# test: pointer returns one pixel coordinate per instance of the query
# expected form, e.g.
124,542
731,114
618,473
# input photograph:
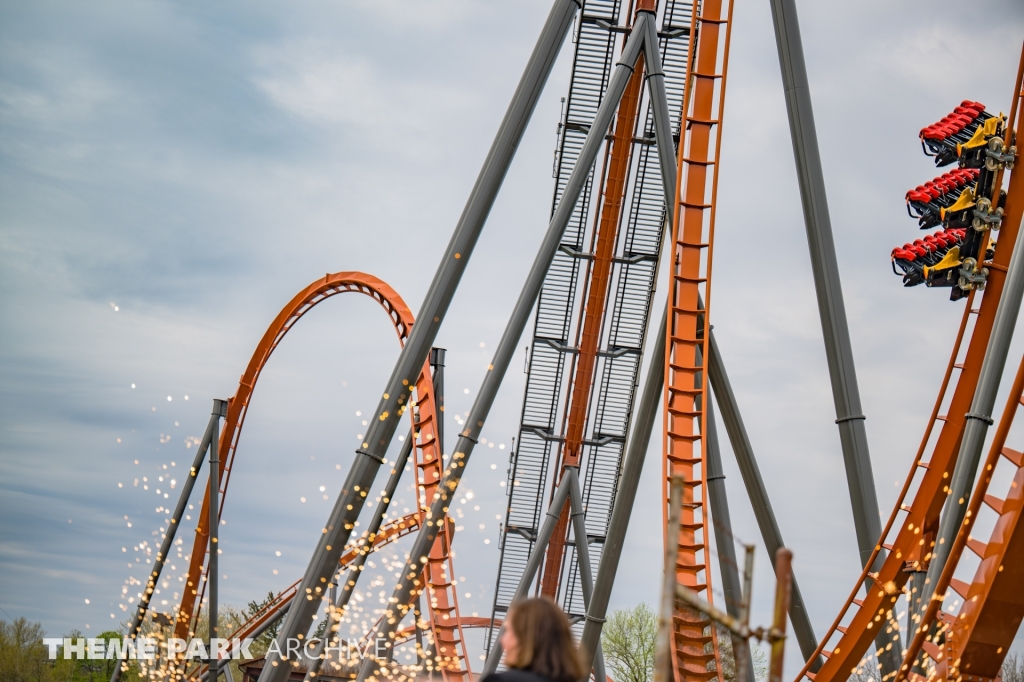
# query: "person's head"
537,638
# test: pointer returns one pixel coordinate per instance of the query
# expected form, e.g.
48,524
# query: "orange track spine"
686,344
599,274
301,303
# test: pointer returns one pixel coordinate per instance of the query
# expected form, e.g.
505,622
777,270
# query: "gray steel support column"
759,501
547,529
842,372
417,614
828,288
732,588
168,542
513,331
915,607
632,466
348,586
220,408
979,418
582,544
662,118
437,363
395,395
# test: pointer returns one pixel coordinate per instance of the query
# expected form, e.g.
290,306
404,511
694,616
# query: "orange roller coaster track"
916,523
977,637
686,344
444,623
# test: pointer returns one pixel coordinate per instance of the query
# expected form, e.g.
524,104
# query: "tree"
1013,668
262,642
728,658
628,641
23,658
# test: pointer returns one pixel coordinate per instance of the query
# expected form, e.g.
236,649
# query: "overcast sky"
172,173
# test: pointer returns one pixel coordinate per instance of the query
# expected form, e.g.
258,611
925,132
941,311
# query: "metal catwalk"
555,344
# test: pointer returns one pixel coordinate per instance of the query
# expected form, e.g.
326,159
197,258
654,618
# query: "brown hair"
546,645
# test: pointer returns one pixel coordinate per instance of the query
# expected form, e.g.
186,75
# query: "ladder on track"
449,645
695,653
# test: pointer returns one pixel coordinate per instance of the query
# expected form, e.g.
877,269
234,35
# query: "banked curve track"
910,532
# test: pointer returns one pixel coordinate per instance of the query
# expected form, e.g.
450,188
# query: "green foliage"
321,629
628,640
760,662
229,619
24,657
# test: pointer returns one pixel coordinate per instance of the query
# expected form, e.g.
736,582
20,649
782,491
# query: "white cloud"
309,80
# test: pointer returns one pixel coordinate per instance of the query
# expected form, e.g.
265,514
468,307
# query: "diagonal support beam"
831,307
403,595
579,533
662,118
732,589
625,495
828,288
351,578
567,490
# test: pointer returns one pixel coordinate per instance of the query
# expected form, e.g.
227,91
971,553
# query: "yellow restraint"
950,260
965,201
984,131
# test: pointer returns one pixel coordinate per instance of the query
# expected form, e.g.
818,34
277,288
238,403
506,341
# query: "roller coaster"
647,95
